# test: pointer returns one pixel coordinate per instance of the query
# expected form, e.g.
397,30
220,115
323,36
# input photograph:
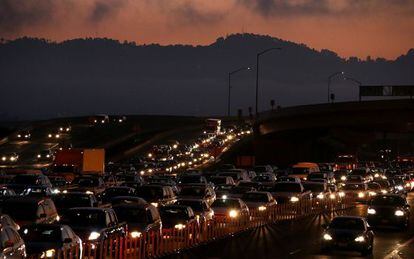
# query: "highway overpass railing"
156,244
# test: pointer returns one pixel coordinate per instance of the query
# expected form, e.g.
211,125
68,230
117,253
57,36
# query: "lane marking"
394,253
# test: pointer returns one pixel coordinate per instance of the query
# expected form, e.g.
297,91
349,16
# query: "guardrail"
168,241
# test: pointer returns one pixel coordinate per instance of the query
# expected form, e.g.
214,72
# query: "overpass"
319,132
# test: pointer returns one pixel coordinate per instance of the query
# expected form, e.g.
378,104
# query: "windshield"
173,214
354,187
150,193
314,187
287,187
388,201
26,179
225,203
85,218
71,201
20,211
255,197
41,233
190,179
86,182
218,180
195,205
347,223
131,214
298,170
193,191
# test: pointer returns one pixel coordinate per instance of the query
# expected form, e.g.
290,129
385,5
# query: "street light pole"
358,83
329,82
257,75
229,94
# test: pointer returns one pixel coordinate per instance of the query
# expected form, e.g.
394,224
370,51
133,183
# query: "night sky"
380,28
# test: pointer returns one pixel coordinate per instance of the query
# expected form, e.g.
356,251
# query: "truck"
212,126
72,162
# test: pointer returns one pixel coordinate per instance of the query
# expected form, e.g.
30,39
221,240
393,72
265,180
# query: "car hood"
255,204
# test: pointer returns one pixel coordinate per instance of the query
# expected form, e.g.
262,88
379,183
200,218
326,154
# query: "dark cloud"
16,14
104,9
327,7
190,14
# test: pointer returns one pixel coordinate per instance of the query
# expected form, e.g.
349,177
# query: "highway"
301,239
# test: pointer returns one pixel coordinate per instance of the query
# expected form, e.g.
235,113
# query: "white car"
260,201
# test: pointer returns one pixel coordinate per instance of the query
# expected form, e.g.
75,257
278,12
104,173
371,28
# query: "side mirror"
67,240
8,244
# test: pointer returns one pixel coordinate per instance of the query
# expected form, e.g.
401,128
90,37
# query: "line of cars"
384,191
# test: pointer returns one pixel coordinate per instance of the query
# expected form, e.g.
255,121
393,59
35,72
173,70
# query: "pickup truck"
293,192
94,225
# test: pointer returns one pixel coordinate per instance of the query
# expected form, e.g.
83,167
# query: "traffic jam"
178,195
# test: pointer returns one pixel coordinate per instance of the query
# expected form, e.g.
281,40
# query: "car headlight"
343,178
341,194
407,184
4,158
384,191
49,135
39,156
294,199
327,237
135,234
361,195
360,239
155,204
233,213
399,213
12,158
332,196
88,192
372,193
19,136
320,196
224,197
48,254
179,226
371,211
149,155
262,208
400,188
376,175
94,235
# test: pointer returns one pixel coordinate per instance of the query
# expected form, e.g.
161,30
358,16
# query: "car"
23,135
239,190
255,185
157,195
58,181
112,192
177,217
54,135
265,178
21,182
341,175
348,233
68,200
385,186
230,209
6,220
223,191
260,201
200,207
263,169
50,240
389,209
12,245
140,218
9,158
356,191
127,200
88,183
217,180
319,191
37,191
236,174
65,129
6,193
45,156
199,192
26,210
288,179
192,179
94,225
364,172
289,192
